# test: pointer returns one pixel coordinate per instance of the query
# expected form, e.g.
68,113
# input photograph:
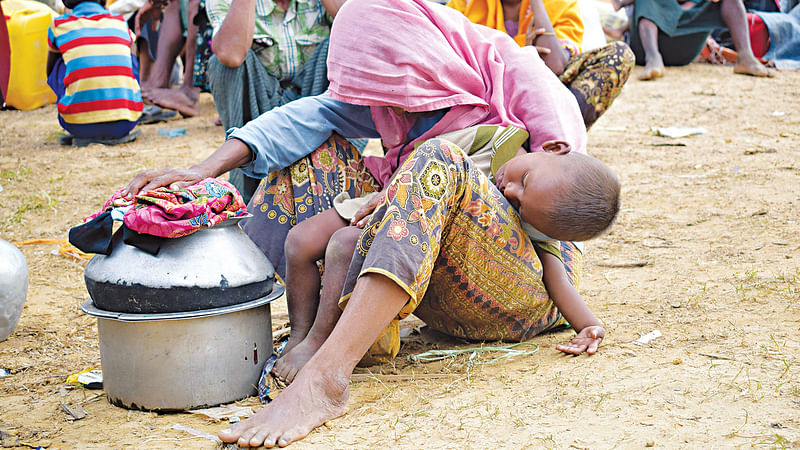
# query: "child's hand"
586,341
364,213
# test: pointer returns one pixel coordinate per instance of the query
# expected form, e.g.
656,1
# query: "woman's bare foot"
654,68
752,67
183,100
290,362
313,399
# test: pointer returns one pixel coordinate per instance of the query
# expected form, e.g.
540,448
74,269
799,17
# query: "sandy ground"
706,250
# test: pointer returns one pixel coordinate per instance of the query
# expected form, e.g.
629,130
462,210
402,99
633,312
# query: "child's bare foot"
752,67
295,337
290,362
654,68
314,398
182,100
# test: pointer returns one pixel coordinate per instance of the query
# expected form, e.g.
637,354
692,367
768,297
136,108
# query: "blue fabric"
86,9
286,134
784,38
283,135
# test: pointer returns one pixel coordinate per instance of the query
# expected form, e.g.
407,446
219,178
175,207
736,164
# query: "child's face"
533,181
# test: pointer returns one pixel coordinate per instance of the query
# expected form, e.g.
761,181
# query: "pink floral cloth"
174,213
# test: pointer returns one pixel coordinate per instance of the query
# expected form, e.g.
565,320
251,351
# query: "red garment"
759,35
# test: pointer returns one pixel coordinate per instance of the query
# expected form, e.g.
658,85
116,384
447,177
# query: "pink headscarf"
421,56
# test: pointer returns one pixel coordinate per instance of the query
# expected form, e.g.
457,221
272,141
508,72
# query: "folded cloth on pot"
162,212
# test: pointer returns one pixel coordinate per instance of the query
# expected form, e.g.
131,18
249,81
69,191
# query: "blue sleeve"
283,135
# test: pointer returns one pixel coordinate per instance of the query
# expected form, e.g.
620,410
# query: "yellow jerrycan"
27,23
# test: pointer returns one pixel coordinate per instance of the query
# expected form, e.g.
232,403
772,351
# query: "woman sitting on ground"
444,242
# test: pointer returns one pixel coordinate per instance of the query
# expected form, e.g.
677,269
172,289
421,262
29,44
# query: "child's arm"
571,305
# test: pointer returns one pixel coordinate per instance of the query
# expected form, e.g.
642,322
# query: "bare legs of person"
338,255
735,18
654,64
320,390
185,98
170,42
305,245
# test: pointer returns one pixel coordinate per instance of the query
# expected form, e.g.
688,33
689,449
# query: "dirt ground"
706,251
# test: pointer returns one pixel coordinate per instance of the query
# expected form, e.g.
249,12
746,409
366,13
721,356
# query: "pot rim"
90,309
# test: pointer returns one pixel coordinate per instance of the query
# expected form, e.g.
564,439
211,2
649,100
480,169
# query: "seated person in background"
573,196
266,53
672,33
555,27
94,74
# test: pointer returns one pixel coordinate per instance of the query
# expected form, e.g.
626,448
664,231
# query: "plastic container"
28,22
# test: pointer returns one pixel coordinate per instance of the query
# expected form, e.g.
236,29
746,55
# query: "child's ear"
559,147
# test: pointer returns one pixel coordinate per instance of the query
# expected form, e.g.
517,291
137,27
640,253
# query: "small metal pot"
13,287
184,360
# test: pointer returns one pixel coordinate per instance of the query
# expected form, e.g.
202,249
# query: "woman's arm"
542,35
571,305
272,141
232,154
235,35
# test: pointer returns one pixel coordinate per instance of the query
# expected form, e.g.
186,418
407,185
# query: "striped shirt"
286,39
99,82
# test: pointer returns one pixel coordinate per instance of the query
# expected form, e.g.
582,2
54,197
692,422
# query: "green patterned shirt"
282,40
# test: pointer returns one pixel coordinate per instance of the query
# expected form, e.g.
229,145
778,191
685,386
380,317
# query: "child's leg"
337,262
305,245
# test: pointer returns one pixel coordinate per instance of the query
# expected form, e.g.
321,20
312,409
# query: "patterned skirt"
304,189
447,236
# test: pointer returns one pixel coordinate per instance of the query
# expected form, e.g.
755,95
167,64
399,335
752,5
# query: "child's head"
566,195
71,4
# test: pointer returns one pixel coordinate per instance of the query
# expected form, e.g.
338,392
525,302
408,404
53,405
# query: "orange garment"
564,16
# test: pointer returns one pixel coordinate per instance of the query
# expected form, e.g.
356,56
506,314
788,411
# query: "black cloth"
95,236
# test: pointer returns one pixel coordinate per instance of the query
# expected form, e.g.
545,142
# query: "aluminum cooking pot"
210,268
186,360
13,287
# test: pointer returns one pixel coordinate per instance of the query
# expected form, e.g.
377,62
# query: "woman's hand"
364,213
586,341
153,179
532,35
